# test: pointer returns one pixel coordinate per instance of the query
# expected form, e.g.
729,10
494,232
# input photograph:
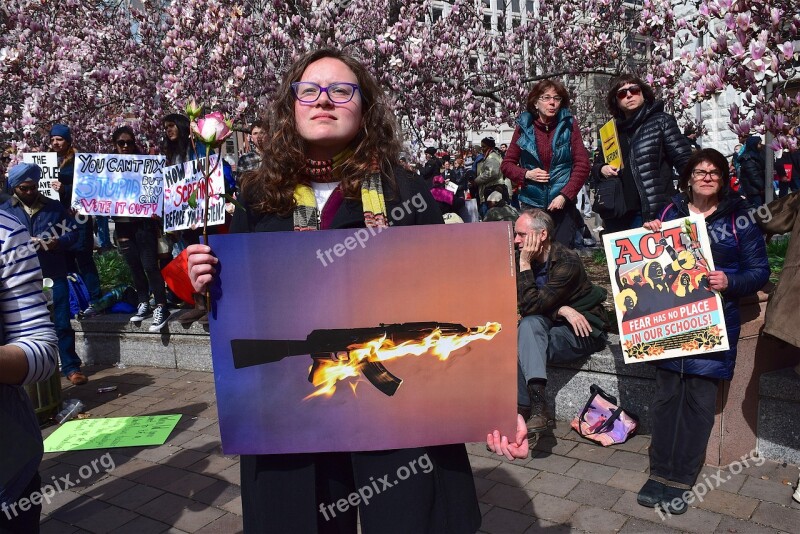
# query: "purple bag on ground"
603,421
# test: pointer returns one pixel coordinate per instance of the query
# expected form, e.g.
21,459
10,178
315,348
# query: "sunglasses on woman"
124,142
634,90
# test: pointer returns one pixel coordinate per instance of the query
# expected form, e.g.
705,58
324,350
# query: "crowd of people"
328,155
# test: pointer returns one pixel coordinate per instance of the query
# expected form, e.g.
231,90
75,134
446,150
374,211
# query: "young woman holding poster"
686,388
332,161
138,244
652,146
547,158
178,148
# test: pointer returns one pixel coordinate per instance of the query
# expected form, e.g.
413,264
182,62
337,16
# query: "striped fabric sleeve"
23,307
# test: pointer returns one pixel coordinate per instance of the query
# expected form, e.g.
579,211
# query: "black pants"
80,259
138,244
13,520
682,416
316,493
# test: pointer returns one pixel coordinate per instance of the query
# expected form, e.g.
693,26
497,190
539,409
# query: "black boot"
540,418
651,493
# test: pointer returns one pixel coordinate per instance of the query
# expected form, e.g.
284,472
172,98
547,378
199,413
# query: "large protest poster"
185,181
118,185
664,306
332,341
48,162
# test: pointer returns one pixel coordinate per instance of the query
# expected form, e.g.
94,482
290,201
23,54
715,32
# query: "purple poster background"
283,286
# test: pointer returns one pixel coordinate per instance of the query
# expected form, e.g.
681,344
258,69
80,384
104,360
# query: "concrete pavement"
569,485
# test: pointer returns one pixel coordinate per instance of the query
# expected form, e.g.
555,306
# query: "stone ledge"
112,339
632,384
783,384
120,323
779,401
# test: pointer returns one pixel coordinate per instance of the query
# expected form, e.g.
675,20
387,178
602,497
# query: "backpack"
78,294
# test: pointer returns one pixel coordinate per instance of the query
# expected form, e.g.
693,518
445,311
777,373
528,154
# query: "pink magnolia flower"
787,49
212,129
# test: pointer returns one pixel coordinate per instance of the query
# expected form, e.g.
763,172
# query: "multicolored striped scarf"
307,215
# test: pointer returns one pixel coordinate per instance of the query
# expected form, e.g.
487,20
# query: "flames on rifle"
325,374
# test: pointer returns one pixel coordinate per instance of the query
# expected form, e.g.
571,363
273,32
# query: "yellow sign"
610,143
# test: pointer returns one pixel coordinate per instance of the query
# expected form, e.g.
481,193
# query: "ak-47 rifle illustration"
358,348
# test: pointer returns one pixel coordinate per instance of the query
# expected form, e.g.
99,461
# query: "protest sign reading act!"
664,305
48,162
118,185
180,183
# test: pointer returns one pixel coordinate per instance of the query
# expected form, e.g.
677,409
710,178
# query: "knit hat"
23,172
488,141
430,150
494,197
61,130
752,142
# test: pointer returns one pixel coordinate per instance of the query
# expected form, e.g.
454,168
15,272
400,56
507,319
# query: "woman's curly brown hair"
270,189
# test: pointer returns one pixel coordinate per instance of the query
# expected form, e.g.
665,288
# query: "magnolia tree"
69,61
749,45
97,64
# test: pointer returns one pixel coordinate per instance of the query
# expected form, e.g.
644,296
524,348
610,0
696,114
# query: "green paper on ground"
111,432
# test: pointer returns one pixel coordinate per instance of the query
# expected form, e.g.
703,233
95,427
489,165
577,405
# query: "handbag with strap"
603,420
609,201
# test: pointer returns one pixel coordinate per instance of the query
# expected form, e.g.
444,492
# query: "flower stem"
207,173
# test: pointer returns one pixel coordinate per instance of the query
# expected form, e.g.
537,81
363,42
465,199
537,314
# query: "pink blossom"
787,49
212,129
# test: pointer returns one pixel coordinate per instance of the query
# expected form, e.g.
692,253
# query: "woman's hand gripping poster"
664,305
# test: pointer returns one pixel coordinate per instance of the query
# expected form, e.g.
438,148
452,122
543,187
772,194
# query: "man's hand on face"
531,248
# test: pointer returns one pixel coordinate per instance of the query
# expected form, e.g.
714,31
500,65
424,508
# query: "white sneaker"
796,495
88,313
160,317
142,312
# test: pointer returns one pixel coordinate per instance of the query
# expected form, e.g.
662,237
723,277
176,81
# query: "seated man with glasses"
52,234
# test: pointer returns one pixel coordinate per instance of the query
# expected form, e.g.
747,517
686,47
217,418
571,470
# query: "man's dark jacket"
567,285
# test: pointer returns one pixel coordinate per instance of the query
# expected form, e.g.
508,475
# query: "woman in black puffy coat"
652,146
686,388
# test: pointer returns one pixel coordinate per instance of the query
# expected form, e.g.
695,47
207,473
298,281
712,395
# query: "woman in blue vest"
547,158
